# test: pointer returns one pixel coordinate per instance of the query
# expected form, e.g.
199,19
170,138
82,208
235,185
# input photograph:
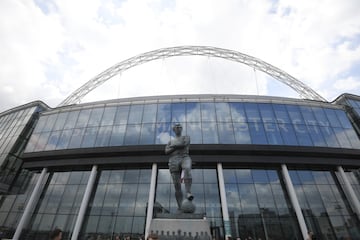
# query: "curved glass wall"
205,122
118,205
206,197
326,211
258,205
58,206
12,205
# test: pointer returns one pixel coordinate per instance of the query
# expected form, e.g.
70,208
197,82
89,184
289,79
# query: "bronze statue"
179,161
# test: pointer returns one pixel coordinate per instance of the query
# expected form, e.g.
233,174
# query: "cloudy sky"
49,48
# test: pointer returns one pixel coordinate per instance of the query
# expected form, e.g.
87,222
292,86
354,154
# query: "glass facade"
12,205
58,205
205,122
258,205
324,205
16,126
118,205
257,199
355,104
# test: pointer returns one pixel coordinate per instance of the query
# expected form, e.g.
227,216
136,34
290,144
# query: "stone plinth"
180,228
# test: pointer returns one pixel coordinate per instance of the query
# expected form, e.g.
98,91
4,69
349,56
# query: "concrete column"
31,204
150,205
294,201
224,207
349,191
84,203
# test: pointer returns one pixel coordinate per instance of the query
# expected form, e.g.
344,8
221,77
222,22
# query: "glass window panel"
75,177
209,132
71,120
108,116
257,132
252,112
127,203
149,113
223,113
210,176
111,200
60,121
103,136
145,175
193,112
272,132
316,136
138,225
41,124
164,113
89,137
295,114
249,203
52,141
178,113
288,133
135,115
226,133
333,119
243,175
344,120
41,143
32,142
308,115
229,176
91,225
212,201
208,112
46,222
68,199
194,131
105,225
141,199
302,134
265,198
62,178
64,139
163,176
50,123
98,200
147,134
329,136
123,224
320,116
267,112
353,138
342,138
259,176
76,138
117,136
83,118
95,117
132,134
242,134
121,116
237,112
162,133
116,176
131,176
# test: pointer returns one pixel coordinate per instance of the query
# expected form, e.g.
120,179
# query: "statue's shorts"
177,163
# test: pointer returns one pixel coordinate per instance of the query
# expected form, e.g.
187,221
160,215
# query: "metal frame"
231,55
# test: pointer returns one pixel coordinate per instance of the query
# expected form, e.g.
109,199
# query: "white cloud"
50,48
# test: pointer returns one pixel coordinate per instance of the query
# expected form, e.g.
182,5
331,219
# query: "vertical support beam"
294,201
30,205
224,207
349,191
84,203
150,205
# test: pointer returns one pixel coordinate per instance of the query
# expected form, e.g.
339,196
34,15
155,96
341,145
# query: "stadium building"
265,167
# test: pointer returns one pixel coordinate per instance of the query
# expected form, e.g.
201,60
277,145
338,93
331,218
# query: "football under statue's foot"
189,196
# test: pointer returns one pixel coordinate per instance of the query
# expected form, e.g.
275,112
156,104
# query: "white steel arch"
303,90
